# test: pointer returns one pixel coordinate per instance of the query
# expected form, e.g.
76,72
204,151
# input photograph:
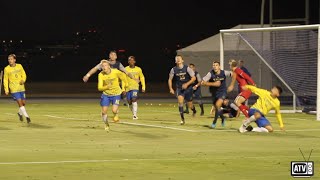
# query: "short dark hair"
113,51
216,62
279,89
191,64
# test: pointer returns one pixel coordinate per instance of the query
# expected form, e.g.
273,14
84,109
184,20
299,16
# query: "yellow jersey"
266,102
13,77
138,75
109,83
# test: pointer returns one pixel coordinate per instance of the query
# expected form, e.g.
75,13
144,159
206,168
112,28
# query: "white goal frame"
302,27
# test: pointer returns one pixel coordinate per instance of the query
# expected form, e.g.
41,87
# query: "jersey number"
182,77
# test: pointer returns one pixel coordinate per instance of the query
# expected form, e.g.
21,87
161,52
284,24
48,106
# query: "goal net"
285,56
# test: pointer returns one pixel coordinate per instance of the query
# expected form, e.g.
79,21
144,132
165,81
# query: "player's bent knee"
269,128
257,115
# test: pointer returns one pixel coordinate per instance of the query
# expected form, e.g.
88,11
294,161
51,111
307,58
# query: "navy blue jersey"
181,76
196,81
218,77
115,65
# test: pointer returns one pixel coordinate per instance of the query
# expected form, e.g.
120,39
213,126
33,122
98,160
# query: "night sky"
134,24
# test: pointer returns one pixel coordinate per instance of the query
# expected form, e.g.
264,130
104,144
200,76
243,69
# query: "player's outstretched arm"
91,72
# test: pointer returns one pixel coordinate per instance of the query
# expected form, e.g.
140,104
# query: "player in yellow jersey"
133,85
267,100
14,80
108,83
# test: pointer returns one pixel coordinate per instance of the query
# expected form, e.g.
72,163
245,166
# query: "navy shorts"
262,121
186,93
106,100
19,95
133,94
218,95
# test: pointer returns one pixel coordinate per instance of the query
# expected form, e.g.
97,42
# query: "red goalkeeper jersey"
243,78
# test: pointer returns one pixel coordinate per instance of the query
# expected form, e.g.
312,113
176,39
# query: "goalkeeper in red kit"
242,79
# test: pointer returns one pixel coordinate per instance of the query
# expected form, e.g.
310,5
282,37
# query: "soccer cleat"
194,113
202,113
20,117
106,127
223,123
186,112
182,122
249,128
213,125
116,118
242,128
135,118
28,120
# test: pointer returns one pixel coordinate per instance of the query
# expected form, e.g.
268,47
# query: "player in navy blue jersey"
216,80
184,77
196,90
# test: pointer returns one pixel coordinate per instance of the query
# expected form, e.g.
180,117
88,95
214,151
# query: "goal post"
290,54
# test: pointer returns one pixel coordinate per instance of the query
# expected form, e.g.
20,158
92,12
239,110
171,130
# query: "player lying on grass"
108,83
14,80
216,80
267,100
184,77
133,86
229,109
242,79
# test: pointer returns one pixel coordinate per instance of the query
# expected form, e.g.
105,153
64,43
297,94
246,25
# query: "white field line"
179,129
157,126
126,160
59,117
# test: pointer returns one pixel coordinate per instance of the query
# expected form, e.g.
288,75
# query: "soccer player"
133,86
267,100
216,80
113,64
196,90
14,80
184,77
108,83
242,79
230,110
244,69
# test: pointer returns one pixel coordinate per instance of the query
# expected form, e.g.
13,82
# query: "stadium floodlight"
288,55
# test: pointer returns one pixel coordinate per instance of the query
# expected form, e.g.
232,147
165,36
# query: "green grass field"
66,140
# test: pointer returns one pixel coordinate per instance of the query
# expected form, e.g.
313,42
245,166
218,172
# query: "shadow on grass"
4,128
142,135
36,126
